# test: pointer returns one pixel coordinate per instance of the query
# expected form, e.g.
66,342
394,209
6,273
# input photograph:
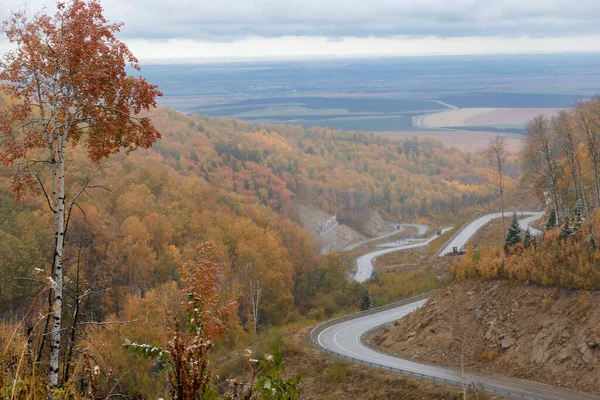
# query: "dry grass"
491,234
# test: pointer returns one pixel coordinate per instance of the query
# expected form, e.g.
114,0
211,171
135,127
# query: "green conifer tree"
592,241
367,302
579,215
566,230
529,239
513,236
551,223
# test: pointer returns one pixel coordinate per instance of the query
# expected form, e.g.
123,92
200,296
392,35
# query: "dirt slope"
543,334
311,218
374,225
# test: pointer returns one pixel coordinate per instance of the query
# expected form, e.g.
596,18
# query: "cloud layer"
224,20
240,29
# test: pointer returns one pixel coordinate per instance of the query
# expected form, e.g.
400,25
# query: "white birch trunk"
59,232
255,295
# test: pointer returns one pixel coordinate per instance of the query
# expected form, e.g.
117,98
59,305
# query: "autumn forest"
135,238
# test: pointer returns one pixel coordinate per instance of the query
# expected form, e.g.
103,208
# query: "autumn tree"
568,143
587,122
495,154
68,83
541,152
207,318
254,295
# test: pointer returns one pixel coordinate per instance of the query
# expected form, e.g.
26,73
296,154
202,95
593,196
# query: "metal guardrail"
433,379
317,330
314,333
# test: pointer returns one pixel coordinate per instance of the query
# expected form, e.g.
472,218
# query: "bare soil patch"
374,225
311,218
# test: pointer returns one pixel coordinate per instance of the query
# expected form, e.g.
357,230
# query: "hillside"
236,185
545,334
342,173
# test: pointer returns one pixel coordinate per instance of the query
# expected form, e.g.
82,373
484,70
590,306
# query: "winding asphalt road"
344,338
365,262
459,240
421,229
462,237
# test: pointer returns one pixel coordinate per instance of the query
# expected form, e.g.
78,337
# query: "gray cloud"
223,20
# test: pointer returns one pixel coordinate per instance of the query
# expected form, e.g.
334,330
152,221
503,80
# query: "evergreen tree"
566,230
529,239
551,223
367,302
580,214
592,241
513,236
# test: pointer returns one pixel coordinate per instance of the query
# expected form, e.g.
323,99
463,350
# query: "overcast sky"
186,30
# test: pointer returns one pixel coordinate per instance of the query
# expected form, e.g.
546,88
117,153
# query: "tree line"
562,155
561,158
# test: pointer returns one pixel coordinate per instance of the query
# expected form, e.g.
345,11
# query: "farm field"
471,141
509,116
511,100
497,119
417,96
374,123
456,117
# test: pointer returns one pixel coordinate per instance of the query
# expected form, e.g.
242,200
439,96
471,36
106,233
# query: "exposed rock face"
373,224
546,334
312,219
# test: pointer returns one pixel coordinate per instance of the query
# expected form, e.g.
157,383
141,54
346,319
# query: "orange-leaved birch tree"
67,81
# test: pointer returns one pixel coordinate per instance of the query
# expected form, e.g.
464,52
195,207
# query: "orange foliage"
571,262
201,289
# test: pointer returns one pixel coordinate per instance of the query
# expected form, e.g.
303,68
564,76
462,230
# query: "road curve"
421,229
365,263
462,237
345,339
459,240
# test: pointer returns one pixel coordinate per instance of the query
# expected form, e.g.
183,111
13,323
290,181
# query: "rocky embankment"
545,334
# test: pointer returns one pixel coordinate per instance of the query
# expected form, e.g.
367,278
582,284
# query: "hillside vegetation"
230,183
342,173
561,157
528,307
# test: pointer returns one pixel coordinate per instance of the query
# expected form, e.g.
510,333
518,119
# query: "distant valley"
460,100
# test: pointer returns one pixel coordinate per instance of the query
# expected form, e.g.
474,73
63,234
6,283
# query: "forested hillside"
235,184
231,183
561,158
340,172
